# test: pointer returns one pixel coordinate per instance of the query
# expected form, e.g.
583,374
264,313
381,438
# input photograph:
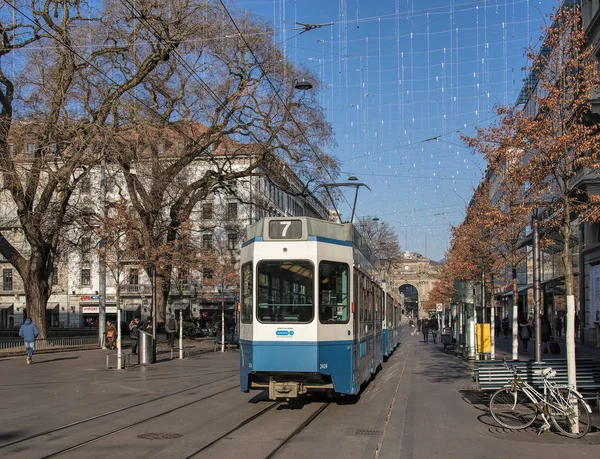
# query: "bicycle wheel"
512,409
562,419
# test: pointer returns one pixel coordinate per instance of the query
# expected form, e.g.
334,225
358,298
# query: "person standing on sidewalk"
29,333
505,326
546,333
559,326
497,325
171,329
134,328
525,334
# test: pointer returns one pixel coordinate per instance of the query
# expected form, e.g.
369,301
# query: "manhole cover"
368,432
160,436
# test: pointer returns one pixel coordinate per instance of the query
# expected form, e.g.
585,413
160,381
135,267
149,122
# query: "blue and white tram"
391,322
311,308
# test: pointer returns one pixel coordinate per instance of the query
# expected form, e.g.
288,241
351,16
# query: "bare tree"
382,240
223,109
64,93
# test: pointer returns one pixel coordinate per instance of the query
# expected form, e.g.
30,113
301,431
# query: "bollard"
107,362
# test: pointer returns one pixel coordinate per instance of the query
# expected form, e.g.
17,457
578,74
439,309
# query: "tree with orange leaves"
554,140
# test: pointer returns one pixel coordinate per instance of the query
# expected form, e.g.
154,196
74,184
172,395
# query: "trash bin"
145,347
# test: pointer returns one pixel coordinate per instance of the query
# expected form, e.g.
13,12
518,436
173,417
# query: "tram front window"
285,291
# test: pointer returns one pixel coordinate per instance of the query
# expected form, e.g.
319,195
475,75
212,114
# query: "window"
232,210
134,276
246,297
160,148
11,150
86,245
232,241
7,279
333,292
86,184
285,291
207,241
30,151
207,211
207,273
86,277
55,275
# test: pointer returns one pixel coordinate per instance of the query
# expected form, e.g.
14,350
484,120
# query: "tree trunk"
36,295
570,297
515,312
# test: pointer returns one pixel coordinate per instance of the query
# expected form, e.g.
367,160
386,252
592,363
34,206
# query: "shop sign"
95,309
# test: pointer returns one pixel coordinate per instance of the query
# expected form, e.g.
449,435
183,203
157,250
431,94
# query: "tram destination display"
285,229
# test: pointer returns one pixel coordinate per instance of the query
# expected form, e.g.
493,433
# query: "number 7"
286,226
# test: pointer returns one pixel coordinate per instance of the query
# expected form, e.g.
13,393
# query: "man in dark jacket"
546,333
29,333
134,327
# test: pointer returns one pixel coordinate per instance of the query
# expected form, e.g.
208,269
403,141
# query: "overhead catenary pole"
180,333
154,314
222,318
537,323
102,265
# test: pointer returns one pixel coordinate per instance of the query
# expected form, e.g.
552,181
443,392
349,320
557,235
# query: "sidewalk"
582,351
438,412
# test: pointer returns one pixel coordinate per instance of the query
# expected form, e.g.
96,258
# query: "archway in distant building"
411,300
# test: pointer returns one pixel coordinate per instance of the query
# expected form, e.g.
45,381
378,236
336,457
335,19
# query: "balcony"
588,180
136,289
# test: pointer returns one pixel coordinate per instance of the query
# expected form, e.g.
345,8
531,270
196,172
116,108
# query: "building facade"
220,219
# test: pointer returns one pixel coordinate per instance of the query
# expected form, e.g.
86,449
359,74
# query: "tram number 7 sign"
285,229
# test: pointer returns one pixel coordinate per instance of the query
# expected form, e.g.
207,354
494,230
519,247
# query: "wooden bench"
231,339
491,375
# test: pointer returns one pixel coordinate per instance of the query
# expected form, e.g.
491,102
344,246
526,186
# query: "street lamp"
303,84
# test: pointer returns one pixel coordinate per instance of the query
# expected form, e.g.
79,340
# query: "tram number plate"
285,229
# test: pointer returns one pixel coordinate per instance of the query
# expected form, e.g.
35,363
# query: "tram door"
356,328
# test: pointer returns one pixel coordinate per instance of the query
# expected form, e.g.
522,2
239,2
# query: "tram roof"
314,227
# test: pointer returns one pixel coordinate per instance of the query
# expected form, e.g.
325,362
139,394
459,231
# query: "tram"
313,313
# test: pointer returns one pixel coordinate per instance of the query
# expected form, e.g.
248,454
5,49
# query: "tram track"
123,409
282,444
137,423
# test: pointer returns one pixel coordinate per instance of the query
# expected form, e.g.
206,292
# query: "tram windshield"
285,291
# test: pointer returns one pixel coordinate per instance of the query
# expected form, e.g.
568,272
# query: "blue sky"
402,80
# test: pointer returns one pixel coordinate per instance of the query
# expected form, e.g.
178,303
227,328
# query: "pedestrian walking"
546,333
497,325
419,323
505,326
425,330
134,328
525,334
29,332
433,327
171,330
559,326
111,335
576,325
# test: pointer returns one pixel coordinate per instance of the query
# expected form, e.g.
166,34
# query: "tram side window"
246,300
333,292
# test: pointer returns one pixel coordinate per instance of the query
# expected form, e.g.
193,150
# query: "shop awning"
53,306
130,307
521,289
6,305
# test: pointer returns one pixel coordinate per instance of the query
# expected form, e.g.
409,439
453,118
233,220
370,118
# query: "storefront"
90,309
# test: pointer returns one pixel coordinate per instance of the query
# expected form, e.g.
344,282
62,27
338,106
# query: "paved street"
422,405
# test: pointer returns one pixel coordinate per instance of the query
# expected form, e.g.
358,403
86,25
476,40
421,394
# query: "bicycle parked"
517,405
